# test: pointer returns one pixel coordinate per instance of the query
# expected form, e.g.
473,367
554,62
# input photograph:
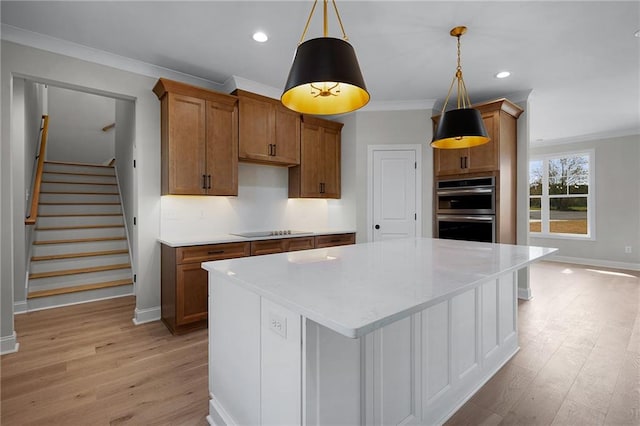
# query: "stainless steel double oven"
466,209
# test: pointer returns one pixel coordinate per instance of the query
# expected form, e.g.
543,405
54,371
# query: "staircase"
80,251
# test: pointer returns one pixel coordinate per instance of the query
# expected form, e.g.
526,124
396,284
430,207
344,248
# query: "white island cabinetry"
393,332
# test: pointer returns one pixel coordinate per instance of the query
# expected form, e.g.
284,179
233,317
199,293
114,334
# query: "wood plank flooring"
579,362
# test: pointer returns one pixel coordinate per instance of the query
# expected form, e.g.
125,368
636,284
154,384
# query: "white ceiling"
580,59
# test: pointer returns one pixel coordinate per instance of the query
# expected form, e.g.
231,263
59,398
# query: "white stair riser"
78,262
79,221
49,249
79,198
78,187
78,279
80,297
70,168
76,179
73,234
79,208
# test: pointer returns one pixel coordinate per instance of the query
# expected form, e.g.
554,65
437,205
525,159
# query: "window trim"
545,197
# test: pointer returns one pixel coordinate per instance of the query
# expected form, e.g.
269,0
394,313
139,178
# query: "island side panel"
234,353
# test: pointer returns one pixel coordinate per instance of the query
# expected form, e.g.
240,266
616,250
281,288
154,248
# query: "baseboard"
629,266
218,416
524,293
143,316
20,307
9,344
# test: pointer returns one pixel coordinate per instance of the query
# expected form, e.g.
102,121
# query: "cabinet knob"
377,226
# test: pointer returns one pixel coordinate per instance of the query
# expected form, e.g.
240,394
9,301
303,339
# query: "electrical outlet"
627,249
278,324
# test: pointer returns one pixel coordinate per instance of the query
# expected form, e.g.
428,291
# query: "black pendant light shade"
325,79
460,128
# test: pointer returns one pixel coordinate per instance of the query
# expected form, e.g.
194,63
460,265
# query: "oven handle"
474,218
465,191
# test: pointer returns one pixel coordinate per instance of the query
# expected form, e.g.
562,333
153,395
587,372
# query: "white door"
394,194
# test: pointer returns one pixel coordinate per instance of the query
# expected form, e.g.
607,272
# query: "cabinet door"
311,161
222,149
186,145
191,293
334,240
485,158
450,161
287,137
256,129
330,162
302,243
267,247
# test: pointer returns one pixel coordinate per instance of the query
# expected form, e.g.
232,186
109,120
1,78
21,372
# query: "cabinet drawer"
302,243
267,247
335,240
211,252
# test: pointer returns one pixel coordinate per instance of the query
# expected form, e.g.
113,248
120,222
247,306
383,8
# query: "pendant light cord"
325,26
463,100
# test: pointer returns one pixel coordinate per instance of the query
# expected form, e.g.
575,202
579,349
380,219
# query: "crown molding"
85,53
236,82
588,137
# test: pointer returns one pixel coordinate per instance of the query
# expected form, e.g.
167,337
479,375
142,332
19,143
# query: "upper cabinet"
269,133
199,136
318,175
499,118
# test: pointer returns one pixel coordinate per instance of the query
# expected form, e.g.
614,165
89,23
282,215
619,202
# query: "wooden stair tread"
79,183
79,271
62,228
78,204
78,174
76,255
79,240
78,288
78,214
70,163
78,193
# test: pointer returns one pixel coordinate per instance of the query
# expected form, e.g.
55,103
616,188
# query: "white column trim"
143,316
9,344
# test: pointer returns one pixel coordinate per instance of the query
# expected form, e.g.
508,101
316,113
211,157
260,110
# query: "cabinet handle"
216,252
462,162
204,181
274,149
209,183
466,164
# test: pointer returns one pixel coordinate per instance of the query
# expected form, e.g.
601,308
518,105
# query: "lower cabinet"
184,282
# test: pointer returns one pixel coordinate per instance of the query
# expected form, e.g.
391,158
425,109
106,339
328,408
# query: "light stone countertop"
356,289
228,238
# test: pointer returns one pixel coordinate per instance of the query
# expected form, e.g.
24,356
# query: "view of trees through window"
559,194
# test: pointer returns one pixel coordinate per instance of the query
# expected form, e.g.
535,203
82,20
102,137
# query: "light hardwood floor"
579,362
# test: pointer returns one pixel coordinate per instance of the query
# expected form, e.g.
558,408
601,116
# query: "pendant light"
461,127
325,77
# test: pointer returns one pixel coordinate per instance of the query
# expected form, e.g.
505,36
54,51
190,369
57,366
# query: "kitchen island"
391,332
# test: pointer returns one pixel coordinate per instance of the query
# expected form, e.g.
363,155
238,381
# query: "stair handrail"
32,213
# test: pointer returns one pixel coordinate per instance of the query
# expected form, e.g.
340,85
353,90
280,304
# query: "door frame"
417,148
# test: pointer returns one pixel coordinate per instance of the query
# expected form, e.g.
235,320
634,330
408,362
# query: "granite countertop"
230,238
356,289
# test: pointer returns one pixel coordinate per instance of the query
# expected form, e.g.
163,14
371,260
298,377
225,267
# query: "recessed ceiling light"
260,37
503,74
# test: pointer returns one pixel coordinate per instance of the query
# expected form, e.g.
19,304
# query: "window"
561,195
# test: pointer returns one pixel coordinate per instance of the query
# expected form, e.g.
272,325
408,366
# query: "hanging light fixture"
325,77
461,127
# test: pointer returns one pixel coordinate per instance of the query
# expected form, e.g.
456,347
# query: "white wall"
393,127
76,120
617,203
18,61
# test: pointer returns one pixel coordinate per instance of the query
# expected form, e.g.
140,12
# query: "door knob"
377,226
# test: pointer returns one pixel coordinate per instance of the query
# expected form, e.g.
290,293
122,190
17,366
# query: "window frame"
545,197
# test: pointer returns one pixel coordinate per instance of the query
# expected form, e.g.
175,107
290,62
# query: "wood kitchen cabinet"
185,284
199,140
318,175
269,133
499,118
